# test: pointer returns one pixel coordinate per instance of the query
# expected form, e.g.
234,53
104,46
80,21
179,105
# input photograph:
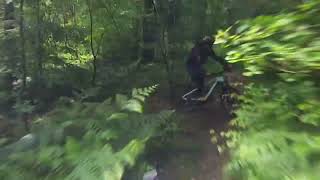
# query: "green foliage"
89,140
285,43
276,132
55,52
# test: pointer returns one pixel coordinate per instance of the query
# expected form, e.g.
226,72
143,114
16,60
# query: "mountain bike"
218,88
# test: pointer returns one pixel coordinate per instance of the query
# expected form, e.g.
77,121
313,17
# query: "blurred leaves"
284,42
278,123
95,141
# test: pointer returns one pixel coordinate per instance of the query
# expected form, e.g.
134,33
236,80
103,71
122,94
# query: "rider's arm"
221,60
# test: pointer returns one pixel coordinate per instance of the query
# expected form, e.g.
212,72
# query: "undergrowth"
84,141
276,132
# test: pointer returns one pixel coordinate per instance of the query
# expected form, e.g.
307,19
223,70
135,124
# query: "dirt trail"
194,156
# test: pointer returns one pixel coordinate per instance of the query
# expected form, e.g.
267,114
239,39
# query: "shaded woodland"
78,79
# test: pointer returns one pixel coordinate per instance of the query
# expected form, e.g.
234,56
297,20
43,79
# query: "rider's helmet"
207,40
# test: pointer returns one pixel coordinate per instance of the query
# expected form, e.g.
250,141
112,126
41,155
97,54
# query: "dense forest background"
75,76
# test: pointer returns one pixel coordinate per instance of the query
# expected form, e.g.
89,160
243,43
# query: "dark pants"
197,75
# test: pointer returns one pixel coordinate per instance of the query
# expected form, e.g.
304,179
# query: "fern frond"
110,141
135,104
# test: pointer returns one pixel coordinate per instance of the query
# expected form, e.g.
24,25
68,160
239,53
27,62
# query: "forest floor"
193,156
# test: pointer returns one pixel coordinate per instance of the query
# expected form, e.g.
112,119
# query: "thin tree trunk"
75,24
74,15
66,38
39,43
94,62
20,98
23,54
167,61
139,33
140,40
150,32
164,51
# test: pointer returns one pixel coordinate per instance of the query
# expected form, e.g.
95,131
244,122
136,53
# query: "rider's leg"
197,75
201,79
193,73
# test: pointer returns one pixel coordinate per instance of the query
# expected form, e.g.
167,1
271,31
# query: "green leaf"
73,149
121,100
134,105
118,116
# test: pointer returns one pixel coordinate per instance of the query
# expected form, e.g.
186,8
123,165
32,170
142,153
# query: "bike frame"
202,99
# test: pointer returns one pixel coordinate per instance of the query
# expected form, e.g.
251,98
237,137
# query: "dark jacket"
200,53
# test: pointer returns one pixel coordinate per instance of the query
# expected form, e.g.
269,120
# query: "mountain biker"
198,57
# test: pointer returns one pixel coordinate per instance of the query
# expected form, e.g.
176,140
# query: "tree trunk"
23,116
66,38
23,54
150,32
162,17
167,61
75,25
94,62
39,42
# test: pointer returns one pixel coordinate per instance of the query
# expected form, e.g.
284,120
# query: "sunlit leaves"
286,40
271,133
73,148
312,113
127,156
278,121
135,103
118,116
